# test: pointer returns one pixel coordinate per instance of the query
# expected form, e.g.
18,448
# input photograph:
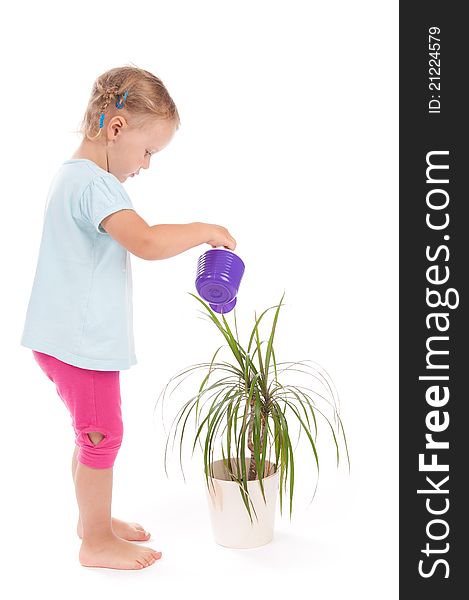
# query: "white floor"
344,543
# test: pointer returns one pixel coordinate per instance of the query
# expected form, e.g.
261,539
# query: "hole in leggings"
96,433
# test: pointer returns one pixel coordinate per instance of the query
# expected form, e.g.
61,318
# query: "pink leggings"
94,402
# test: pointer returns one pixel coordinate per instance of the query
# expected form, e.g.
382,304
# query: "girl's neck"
92,151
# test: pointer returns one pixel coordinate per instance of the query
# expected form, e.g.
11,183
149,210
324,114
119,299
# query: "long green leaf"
271,338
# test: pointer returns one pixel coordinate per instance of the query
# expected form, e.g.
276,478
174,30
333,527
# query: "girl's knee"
95,436
98,449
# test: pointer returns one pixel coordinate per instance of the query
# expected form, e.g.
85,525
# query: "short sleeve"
101,198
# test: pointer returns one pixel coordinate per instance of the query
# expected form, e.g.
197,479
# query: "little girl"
79,317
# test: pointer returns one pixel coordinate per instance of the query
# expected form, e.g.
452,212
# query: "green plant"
248,389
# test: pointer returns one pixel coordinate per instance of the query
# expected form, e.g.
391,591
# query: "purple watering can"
219,273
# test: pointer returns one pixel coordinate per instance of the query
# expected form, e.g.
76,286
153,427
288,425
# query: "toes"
140,536
141,531
149,560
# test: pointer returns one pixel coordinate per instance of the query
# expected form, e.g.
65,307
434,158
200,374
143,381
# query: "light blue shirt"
80,309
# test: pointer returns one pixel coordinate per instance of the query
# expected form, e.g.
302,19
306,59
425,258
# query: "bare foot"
133,532
115,553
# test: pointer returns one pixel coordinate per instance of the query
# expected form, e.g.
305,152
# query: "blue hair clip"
101,119
121,104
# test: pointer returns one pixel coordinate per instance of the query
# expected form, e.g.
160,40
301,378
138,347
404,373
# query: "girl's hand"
220,236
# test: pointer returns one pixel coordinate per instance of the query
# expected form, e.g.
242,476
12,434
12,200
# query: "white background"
289,139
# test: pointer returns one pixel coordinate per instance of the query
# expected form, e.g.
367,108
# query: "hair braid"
109,95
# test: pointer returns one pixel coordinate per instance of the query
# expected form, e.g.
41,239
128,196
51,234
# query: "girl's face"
130,149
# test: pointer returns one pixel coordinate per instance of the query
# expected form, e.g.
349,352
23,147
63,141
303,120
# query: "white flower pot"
231,524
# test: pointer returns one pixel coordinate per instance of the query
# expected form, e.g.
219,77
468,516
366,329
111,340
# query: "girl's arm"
162,241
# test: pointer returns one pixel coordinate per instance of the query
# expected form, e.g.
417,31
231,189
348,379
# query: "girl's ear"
116,125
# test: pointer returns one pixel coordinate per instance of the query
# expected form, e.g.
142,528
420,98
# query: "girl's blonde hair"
147,99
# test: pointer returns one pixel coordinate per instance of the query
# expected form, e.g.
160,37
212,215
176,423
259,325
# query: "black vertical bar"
433,271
